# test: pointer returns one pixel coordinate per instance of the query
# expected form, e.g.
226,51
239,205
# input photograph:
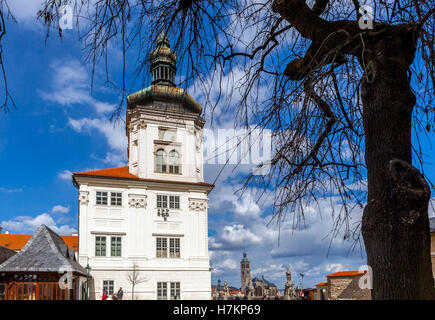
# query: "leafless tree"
342,100
5,14
134,278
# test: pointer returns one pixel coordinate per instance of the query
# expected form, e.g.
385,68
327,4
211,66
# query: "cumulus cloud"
235,237
25,11
71,86
65,175
27,224
306,245
60,209
113,133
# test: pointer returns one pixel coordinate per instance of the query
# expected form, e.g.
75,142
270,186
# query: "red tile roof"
18,241
322,284
346,273
122,172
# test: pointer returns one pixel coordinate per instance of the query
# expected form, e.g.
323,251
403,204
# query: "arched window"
161,160
174,162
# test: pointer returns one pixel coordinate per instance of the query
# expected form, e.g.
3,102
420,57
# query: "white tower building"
149,220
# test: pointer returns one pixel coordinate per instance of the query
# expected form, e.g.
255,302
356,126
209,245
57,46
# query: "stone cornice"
142,184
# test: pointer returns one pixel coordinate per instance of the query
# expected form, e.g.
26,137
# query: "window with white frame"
101,198
168,159
162,291
175,291
116,199
162,201
174,247
108,286
174,202
100,246
161,160
162,247
174,162
115,246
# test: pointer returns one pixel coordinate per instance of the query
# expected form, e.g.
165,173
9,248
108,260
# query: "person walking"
104,297
120,294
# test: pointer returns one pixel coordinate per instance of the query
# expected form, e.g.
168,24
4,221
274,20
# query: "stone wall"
347,288
336,286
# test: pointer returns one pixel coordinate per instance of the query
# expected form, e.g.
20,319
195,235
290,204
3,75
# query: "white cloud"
235,236
60,209
27,224
65,175
8,190
114,134
25,11
71,86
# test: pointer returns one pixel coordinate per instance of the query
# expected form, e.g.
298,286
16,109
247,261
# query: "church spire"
163,62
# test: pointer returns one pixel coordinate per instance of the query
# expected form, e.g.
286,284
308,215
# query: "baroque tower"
150,216
245,272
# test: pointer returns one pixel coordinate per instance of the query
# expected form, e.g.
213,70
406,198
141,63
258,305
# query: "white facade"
137,224
125,214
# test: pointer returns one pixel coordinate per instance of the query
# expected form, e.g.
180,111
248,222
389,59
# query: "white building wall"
138,224
138,227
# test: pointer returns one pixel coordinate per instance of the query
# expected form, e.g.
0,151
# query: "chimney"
7,232
75,234
1,230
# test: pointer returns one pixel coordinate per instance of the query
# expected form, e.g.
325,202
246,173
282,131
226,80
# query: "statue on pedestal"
250,290
289,291
226,290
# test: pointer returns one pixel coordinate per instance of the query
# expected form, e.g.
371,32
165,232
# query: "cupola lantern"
163,61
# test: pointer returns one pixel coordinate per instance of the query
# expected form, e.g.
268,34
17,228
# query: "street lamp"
219,289
88,269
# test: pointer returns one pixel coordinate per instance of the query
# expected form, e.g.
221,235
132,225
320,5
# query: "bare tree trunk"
132,292
395,224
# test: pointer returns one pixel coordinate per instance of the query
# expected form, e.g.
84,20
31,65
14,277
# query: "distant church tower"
245,272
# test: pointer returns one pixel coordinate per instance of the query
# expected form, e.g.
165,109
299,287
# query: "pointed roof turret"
163,62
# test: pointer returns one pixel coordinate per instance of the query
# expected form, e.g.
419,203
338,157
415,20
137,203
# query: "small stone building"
321,291
344,285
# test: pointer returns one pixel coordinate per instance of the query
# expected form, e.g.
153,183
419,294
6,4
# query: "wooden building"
5,254
45,269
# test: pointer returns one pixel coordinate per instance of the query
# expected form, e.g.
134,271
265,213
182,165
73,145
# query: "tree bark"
395,223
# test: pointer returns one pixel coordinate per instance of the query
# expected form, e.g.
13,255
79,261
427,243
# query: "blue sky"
60,126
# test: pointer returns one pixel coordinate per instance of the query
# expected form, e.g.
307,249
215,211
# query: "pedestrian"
120,294
104,297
